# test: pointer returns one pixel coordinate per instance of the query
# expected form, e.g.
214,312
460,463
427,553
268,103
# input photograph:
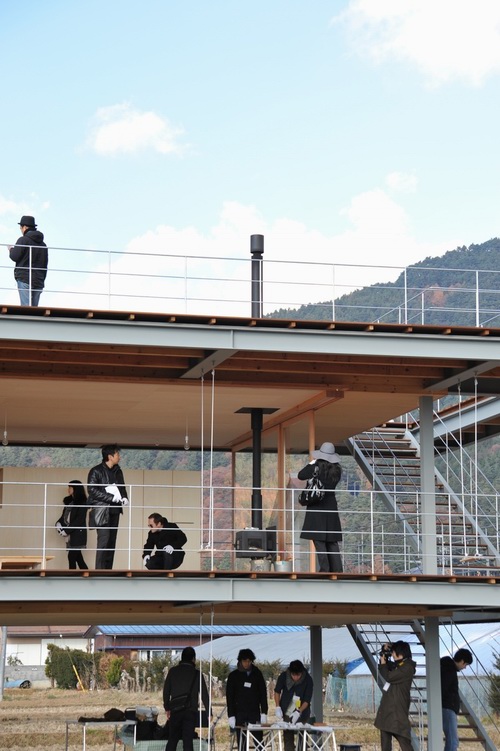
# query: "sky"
345,131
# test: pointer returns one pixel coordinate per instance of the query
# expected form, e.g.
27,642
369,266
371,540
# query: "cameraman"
392,717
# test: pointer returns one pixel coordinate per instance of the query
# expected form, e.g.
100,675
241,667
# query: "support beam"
317,671
433,684
427,487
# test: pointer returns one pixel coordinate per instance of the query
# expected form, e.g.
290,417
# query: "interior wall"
32,503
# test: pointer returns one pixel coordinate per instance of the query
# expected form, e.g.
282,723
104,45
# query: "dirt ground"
34,719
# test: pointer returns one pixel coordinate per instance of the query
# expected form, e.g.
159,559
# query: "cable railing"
463,471
176,283
375,540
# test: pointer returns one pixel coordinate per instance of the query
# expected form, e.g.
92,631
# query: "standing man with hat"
322,521
31,257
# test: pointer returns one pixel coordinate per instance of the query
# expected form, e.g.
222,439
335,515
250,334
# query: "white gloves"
232,722
295,717
124,501
168,549
113,490
279,713
146,559
61,529
263,719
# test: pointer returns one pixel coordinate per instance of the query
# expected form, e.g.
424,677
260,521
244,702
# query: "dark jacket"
20,254
74,521
393,711
322,521
182,678
99,477
450,697
246,695
172,535
287,688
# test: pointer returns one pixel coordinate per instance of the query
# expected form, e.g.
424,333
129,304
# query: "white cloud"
300,264
9,207
401,182
445,39
120,129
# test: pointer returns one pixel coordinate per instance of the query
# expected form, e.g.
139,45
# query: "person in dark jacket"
246,694
31,257
107,496
168,540
184,680
450,696
392,718
72,524
322,521
293,694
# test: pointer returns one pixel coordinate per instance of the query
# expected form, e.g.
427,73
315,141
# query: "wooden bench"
23,561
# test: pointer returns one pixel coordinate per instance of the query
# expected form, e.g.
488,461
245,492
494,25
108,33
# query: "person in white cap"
322,521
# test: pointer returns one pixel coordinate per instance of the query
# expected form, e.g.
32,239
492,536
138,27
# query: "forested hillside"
439,290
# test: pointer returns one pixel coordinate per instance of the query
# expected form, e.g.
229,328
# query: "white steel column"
428,487
433,684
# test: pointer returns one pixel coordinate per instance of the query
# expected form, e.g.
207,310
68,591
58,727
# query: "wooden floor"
490,576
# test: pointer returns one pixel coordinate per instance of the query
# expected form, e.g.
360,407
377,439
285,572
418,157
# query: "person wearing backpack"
322,521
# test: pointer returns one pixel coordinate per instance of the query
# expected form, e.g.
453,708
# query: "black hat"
27,221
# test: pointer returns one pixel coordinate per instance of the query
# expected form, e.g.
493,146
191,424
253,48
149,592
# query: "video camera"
386,651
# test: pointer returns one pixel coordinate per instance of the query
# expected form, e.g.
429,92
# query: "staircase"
369,639
389,457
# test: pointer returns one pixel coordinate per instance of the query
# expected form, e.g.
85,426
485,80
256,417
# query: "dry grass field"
34,719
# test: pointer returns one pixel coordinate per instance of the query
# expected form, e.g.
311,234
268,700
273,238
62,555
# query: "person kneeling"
166,539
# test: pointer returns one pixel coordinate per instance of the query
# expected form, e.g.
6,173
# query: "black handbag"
181,702
314,491
99,517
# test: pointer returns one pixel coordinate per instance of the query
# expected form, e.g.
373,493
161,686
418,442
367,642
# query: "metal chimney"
257,252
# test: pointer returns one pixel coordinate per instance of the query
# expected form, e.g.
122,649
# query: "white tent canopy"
483,639
337,645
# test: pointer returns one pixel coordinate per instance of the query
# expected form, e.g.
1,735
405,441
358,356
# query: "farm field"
34,719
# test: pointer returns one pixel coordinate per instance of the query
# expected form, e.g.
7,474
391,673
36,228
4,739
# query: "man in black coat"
168,540
181,691
450,696
31,257
246,694
107,495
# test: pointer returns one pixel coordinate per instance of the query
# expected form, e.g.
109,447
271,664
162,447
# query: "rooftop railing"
149,281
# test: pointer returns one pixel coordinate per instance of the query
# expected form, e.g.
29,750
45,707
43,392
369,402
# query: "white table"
97,724
271,737
309,737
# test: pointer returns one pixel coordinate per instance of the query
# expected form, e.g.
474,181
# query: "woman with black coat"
73,524
322,521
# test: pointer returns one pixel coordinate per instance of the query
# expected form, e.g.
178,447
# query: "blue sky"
355,131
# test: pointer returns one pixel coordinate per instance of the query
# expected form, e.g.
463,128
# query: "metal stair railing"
369,639
368,636
394,497
386,493
474,723
468,472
